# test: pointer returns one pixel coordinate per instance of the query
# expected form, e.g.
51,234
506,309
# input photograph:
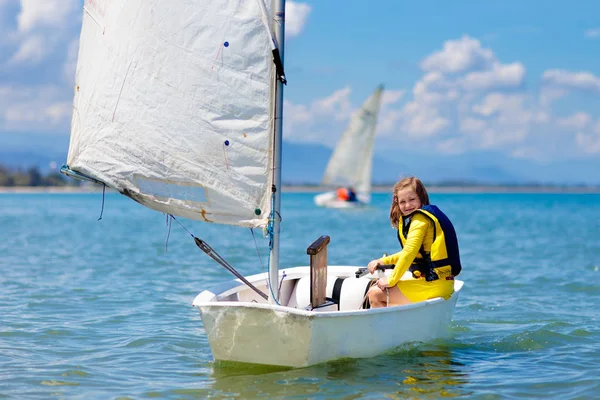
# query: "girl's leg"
397,298
379,298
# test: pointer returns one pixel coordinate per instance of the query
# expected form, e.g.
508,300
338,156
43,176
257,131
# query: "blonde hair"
417,186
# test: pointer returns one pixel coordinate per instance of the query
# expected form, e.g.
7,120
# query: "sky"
516,78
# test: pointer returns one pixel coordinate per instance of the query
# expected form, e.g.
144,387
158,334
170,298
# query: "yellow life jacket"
444,249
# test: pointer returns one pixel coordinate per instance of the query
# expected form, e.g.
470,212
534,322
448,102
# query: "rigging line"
256,247
180,224
103,195
169,224
269,233
260,258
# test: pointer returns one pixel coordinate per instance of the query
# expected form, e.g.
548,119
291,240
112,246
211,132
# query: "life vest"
342,194
444,249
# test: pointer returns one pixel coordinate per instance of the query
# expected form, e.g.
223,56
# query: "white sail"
173,106
351,161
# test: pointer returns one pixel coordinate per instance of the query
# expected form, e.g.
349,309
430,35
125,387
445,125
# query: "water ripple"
98,309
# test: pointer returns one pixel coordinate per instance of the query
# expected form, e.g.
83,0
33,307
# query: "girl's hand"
373,265
382,283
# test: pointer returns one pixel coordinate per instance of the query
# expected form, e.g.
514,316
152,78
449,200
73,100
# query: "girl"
429,250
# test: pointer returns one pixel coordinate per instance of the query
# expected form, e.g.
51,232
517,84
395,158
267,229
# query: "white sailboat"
178,105
350,165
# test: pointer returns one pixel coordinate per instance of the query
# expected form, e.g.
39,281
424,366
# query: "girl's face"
408,200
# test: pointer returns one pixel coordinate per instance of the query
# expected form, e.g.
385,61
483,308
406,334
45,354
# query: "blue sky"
518,78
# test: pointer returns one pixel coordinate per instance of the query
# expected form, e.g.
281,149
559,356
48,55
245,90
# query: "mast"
278,13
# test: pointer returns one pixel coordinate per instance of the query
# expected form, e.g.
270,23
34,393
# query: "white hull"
330,199
242,327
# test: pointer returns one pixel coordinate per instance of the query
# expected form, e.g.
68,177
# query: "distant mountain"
488,167
28,150
305,164
24,160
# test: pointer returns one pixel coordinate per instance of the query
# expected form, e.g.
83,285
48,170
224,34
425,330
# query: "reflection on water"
421,370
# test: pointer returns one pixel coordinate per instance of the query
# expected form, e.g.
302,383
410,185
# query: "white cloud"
296,112
337,105
548,95
472,125
432,85
467,99
495,102
70,64
592,33
47,13
391,97
324,119
588,143
388,116
455,145
321,121
577,121
420,120
41,28
33,49
459,56
44,108
507,76
572,80
387,119
295,17
453,98
50,113
508,120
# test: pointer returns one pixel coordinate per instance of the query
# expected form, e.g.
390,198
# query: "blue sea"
101,308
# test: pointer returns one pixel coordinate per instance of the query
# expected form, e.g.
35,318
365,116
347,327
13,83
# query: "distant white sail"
351,161
178,119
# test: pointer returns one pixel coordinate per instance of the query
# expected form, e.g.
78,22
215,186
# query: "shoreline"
319,189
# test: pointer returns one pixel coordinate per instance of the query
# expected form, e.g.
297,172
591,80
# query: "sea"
96,299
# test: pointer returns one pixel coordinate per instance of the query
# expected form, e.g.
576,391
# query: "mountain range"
305,163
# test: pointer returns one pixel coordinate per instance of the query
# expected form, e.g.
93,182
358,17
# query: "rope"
262,265
169,224
387,297
103,195
270,233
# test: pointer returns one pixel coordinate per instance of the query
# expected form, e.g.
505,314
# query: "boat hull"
260,333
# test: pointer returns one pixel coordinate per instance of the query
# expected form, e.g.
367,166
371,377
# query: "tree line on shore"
32,177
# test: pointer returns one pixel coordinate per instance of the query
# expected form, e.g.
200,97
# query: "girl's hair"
417,186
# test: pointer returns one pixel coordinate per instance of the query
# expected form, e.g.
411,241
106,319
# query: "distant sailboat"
178,106
348,172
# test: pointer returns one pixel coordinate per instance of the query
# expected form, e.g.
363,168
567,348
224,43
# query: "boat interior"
310,288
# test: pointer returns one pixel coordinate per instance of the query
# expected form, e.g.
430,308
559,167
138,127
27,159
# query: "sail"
173,106
351,161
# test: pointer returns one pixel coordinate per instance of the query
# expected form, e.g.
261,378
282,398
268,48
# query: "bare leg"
379,298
